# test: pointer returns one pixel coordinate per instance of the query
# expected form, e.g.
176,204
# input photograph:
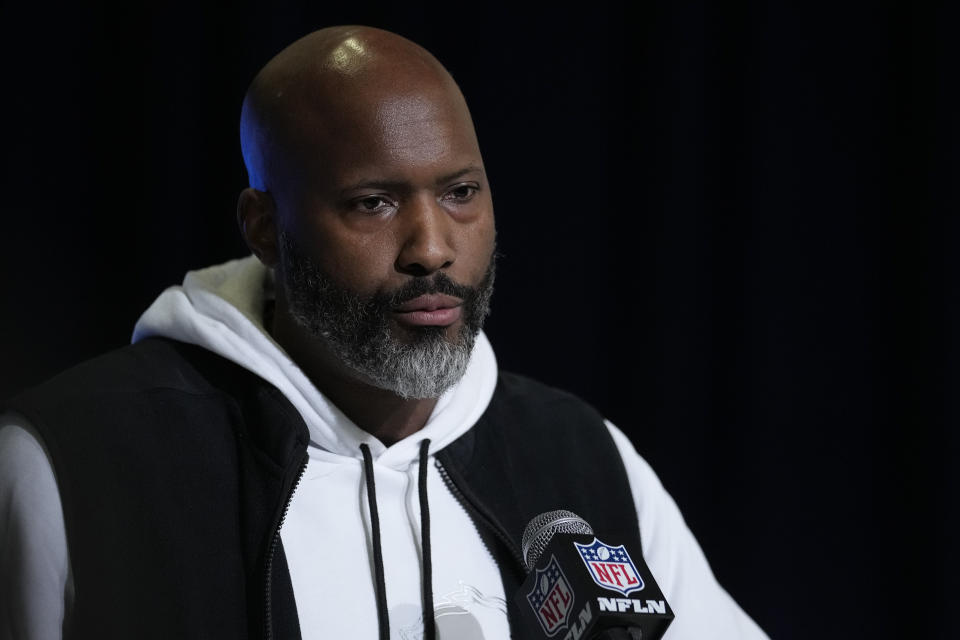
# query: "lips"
430,310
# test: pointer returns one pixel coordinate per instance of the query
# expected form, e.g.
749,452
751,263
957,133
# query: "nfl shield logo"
551,598
610,567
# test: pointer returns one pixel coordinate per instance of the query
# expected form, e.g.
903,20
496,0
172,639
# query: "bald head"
333,82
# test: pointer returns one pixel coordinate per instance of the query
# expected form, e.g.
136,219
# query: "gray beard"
357,329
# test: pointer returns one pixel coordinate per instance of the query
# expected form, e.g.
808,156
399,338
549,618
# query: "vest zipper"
274,541
484,517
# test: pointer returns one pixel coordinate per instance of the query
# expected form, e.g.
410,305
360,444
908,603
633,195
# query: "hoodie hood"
221,307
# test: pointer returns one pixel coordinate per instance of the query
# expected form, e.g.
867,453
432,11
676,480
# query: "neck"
379,412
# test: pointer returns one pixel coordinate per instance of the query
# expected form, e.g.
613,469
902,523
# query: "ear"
256,215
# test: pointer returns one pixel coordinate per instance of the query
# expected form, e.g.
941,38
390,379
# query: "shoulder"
519,395
158,392
536,426
537,420
149,364
158,368
153,382
703,608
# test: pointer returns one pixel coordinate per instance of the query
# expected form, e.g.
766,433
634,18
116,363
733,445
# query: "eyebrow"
458,174
397,184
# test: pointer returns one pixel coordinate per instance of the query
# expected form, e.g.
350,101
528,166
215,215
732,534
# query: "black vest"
175,466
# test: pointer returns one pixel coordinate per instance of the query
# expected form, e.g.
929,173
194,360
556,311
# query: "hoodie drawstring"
429,628
383,616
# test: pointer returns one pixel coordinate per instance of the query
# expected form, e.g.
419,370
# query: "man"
315,441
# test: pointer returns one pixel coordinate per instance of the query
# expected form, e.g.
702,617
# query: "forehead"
384,130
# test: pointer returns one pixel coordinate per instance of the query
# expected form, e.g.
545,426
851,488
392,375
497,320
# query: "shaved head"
325,84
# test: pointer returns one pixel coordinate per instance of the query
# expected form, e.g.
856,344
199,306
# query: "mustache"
440,283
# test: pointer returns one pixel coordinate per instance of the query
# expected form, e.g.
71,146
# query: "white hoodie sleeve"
702,608
34,566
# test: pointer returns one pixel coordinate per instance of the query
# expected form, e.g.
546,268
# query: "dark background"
731,227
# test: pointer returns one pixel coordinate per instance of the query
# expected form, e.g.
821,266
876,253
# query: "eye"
373,204
462,192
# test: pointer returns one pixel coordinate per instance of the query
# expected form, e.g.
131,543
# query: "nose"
426,237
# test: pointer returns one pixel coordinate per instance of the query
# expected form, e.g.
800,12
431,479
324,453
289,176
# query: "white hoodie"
327,534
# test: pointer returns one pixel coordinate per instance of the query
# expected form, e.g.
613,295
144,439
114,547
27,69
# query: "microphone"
580,588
